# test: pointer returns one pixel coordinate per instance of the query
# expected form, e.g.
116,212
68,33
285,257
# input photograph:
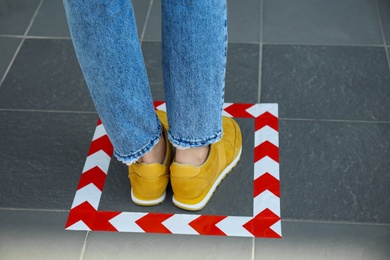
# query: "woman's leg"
106,42
194,38
194,62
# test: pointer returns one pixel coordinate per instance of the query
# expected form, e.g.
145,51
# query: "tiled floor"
326,63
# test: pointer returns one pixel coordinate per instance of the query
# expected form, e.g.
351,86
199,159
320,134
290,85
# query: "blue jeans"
194,45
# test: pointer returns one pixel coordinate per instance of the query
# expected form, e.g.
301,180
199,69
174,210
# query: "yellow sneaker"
149,180
193,186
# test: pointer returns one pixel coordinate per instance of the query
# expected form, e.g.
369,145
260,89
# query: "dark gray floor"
326,63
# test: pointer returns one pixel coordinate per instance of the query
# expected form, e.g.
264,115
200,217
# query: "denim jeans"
194,45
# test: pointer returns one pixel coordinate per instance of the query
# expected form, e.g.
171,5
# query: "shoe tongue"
149,169
184,170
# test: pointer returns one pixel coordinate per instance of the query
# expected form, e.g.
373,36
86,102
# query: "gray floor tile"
8,47
42,155
304,241
384,11
37,235
234,197
244,21
150,246
46,75
335,171
242,71
388,54
54,12
51,20
331,82
153,62
321,22
330,170
15,15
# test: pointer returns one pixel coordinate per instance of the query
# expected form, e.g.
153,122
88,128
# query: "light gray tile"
42,156
46,75
327,82
335,171
38,235
8,47
305,240
51,20
150,246
15,15
244,21
321,22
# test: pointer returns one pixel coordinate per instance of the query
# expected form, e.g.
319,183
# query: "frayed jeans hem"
183,144
129,159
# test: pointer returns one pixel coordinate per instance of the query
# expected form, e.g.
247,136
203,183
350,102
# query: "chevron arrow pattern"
265,222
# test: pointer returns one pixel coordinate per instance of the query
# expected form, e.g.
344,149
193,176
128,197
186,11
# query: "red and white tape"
265,222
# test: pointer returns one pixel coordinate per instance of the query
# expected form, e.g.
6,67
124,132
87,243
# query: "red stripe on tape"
267,149
102,143
101,221
239,110
266,119
260,225
157,104
266,182
152,223
95,176
84,212
206,225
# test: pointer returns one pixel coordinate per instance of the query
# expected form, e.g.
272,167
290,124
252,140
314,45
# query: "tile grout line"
260,51
146,21
383,33
334,120
11,36
11,62
21,42
84,246
324,44
48,37
33,19
336,222
253,249
46,111
259,85
36,210
230,42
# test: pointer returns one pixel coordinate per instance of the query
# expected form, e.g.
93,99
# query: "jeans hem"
131,158
182,143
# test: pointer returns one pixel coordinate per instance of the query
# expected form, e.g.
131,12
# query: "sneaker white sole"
206,199
147,202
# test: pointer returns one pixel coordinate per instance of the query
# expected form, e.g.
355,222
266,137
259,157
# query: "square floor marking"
265,221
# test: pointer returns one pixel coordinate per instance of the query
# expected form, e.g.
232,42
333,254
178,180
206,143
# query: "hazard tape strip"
265,221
